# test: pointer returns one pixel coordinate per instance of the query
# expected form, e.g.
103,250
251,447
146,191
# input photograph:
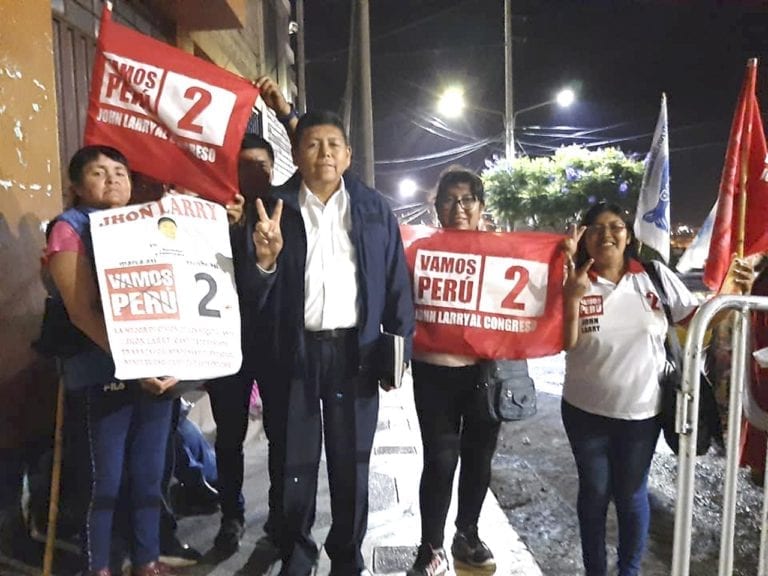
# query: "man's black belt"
332,334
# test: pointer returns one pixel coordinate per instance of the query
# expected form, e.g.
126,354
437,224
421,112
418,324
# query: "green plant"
546,193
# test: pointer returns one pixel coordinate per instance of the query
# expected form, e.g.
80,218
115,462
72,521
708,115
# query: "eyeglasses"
613,228
466,202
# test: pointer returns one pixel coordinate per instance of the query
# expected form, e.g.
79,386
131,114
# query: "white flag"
696,254
652,217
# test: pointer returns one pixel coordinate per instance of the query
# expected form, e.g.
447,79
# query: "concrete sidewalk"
393,525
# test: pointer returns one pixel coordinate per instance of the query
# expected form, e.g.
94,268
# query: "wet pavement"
530,523
534,479
393,525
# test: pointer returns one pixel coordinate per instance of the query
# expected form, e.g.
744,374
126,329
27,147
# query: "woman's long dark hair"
589,218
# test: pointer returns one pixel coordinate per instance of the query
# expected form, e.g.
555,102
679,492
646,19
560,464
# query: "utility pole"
301,79
366,95
349,89
509,114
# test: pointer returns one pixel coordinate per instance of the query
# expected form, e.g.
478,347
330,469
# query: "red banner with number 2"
176,118
486,294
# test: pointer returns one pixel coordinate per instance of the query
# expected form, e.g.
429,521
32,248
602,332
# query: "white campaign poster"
167,288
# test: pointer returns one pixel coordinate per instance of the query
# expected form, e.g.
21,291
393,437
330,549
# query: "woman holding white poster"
127,424
447,397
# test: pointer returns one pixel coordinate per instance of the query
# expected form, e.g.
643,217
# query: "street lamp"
564,98
451,105
451,102
408,188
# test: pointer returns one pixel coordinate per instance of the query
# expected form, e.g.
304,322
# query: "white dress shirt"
330,273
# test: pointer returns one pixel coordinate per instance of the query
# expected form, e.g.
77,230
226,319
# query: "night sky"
619,56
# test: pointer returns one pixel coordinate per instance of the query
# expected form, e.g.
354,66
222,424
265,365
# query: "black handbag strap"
671,343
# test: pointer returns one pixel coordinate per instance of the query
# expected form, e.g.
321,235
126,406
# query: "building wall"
46,54
30,184
29,191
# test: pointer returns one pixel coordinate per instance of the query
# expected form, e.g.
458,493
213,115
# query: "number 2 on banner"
519,276
187,122
202,308
514,287
196,110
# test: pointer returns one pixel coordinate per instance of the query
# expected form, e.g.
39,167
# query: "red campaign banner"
747,151
176,118
486,294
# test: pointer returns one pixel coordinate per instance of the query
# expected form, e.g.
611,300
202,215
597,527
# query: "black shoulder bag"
670,381
507,392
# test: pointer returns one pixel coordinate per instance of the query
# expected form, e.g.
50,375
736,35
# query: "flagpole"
745,149
735,444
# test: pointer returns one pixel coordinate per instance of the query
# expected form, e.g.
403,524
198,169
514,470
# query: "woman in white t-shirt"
614,330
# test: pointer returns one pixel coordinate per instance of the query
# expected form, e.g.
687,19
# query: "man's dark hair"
456,175
166,219
251,141
319,118
88,154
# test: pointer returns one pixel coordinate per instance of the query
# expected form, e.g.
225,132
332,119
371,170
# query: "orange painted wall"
30,188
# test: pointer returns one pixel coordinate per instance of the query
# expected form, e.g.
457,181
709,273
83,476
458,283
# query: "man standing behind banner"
230,395
331,273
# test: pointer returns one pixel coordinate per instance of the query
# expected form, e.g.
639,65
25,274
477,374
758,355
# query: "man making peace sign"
330,273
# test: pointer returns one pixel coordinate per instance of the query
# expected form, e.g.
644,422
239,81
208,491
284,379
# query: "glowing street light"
408,188
565,98
451,102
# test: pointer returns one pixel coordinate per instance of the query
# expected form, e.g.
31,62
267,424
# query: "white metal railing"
686,424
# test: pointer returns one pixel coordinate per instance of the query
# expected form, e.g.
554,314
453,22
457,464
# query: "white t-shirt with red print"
613,370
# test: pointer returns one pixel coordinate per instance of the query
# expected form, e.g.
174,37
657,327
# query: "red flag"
746,152
486,294
176,118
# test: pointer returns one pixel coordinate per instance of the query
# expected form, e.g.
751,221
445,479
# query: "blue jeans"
195,458
613,458
126,428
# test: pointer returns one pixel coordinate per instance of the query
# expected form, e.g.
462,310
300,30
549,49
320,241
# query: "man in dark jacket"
329,275
230,395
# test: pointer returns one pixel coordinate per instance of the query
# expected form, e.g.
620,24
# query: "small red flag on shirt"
746,152
176,118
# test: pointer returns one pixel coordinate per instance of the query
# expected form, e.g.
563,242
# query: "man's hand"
267,236
740,277
272,95
235,209
157,386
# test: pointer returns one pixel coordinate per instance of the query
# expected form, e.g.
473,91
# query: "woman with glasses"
445,388
614,328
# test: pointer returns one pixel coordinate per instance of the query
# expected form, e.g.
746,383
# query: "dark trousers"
126,426
613,458
168,522
274,399
336,402
229,403
452,426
